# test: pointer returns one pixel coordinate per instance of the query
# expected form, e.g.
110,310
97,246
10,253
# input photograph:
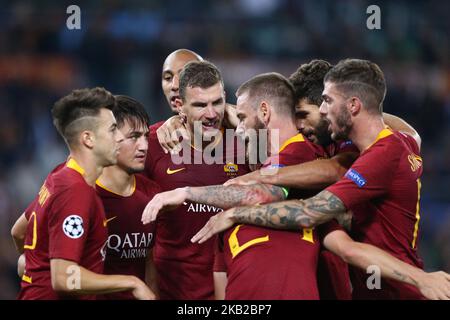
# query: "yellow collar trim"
386,132
296,138
72,164
98,183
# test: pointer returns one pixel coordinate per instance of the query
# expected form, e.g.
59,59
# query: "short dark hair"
80,104
273,87
362,78
308,80
131,110
201,74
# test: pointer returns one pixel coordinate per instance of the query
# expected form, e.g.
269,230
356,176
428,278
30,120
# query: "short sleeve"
369,177
31,207
69,222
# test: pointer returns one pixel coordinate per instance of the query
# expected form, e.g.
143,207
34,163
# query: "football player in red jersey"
264,102
333,275
184,269
381,188
124,194
65,237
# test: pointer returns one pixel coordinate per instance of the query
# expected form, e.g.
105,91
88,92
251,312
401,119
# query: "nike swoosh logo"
105,221
174,171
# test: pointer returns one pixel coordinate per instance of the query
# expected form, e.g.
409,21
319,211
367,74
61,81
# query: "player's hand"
169,135
21,265
230,120
163,201
142,292
217,223
435,285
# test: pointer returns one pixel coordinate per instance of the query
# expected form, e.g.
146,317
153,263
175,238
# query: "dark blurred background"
122,45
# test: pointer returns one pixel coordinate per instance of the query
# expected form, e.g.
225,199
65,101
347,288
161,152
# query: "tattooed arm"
219,196
293,214
434,285
289,215
234,196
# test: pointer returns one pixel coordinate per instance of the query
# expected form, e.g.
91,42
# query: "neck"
286,129
92,170
366,130
117,180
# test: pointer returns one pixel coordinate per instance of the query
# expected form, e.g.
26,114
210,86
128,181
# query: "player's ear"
355,106
265,111
87,138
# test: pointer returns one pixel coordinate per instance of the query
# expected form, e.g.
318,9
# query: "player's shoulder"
154,127
67,180
398,142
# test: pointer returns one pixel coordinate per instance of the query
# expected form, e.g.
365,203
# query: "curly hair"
308,80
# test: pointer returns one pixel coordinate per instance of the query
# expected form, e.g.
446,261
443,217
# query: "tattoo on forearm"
345,220
293,214
234,196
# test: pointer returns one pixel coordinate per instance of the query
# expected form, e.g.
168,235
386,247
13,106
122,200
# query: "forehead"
210,94
330,89
174,63
242,105
106,116
133,125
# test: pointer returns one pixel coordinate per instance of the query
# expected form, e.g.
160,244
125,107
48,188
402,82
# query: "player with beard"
308,83
382,187
184,269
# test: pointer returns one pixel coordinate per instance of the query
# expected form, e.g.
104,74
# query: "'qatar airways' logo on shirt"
356,177
201,208
131,246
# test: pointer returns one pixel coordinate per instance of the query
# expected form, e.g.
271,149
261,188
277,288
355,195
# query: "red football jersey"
66,222
332,273
382,188
269,264
128,239
185,269
264,263
337,147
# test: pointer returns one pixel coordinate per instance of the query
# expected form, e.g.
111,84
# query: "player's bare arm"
219,196
70,278
18,232
312,175
435,285
288,215
220,285
398,124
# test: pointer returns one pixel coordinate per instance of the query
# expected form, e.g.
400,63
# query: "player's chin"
136,168
210,132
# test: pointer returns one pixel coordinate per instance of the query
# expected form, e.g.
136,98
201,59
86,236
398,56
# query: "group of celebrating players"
338,195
